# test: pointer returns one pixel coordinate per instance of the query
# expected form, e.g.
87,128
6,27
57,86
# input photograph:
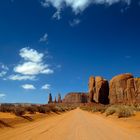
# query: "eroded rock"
119,88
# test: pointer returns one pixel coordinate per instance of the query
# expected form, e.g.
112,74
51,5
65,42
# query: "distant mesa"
123,88
76,97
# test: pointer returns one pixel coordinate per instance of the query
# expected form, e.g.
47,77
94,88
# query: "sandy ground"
73,125
7,115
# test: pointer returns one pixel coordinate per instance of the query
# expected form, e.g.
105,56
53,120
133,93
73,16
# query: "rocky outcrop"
59,98
98,90
91,86
75,97
102,90
50,98
125,88
137,89
122,88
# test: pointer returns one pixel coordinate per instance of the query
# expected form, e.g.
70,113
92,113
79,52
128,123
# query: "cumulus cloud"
31,66
78,6
28,87
46,86
31,55
74,22
44,38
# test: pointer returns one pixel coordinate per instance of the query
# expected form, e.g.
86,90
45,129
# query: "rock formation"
98,90
125,89
75,97
102,91
137,89
50,99
122,88
91,86
59,98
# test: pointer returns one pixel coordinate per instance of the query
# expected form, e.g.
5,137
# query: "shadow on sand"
4,124
27,118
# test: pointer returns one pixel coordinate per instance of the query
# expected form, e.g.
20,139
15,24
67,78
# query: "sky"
56,45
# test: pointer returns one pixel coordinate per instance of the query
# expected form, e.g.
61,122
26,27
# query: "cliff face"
125,88
98,90
76,97
122,88
91,87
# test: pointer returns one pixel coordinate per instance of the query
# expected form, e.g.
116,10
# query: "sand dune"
73,125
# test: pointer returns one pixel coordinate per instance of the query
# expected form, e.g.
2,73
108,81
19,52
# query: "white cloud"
28,86
31,55
78,5
57,15
2,95
74,22
32,65
3,73
44,38
21,77
31,68
3,70
46,87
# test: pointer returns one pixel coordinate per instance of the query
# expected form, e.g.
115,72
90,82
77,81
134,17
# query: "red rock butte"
123,88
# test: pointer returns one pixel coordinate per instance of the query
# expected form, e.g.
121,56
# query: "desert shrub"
100,108
19,111
7,108
125,111
32,109
120,110
43,109
94,108
110,110
137,107
52,108
59,109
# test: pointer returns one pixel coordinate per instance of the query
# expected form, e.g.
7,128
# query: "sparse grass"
20,110
94,107
110,110
137,107
7,108
32,109
44,109
125,111
120,110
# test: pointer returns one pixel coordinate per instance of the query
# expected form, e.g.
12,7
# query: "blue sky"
51,45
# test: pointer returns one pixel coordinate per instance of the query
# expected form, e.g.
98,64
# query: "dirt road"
74,125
